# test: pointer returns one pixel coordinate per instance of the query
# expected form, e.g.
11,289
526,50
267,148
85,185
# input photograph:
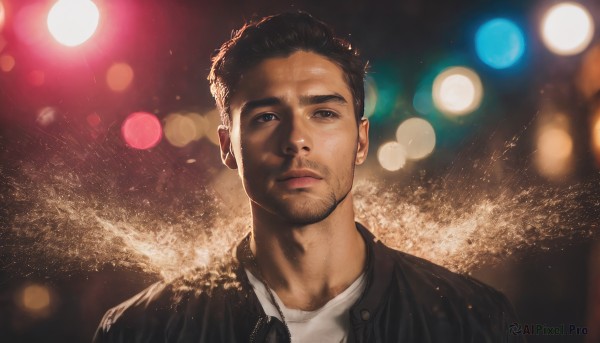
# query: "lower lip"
300,182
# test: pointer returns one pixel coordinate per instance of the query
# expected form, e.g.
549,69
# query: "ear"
227,155
363,141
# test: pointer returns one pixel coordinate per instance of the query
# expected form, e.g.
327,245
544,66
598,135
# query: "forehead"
301,73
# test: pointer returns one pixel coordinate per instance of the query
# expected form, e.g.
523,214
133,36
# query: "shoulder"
447,300
429,275
165,307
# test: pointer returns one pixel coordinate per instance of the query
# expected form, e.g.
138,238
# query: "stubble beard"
307,209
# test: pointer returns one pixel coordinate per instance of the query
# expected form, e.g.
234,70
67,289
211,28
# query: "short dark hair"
279,36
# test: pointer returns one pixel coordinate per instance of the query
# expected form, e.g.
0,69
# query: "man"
291,98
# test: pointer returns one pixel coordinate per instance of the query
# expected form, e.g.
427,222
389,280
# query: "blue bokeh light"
499,43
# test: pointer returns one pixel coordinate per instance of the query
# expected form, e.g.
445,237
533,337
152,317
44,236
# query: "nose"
296,137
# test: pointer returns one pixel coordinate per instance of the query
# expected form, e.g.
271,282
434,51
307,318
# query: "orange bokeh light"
119,77
7,63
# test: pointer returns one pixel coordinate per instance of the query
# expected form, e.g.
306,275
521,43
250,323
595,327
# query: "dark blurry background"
67,155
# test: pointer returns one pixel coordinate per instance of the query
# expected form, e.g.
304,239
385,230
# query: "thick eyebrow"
322,99
304,101
252,104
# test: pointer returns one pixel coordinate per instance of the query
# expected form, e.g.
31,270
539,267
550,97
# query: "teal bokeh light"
499,43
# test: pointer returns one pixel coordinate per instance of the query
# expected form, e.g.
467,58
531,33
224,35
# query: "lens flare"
457,91
417,137
119,77
567,28
72,22
499,43
141,130
391,156
7,63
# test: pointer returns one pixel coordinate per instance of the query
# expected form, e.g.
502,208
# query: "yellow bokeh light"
7,63
588,79
36,299
567,28
119,77
595,134
182,129
72,22
417,136
554,149
179,130
457,91
555,143
391,156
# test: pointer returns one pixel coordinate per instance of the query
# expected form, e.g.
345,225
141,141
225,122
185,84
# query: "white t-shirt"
330,323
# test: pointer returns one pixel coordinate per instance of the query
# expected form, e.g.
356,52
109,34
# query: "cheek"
339,147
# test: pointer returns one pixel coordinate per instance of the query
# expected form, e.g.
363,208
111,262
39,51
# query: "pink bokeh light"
141,130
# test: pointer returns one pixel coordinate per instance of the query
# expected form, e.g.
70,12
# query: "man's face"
294,137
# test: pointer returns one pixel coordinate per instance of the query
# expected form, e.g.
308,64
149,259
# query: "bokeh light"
35,299
29,24
93,119
141,130
391,156
567,28
119,76
46,116
2,16
72,22
588,80
371,96
417,136
554,148
423,100
7,63
595,135
457,91
499,43
182,129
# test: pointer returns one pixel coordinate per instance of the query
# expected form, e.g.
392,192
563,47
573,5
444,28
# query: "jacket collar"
378,272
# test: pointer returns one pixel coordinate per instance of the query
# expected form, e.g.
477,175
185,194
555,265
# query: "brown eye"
325,114
265,117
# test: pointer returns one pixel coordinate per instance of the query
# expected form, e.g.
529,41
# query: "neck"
308,265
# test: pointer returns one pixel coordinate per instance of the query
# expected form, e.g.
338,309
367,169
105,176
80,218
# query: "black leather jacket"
407,299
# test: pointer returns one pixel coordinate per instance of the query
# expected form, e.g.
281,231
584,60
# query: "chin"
305,212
